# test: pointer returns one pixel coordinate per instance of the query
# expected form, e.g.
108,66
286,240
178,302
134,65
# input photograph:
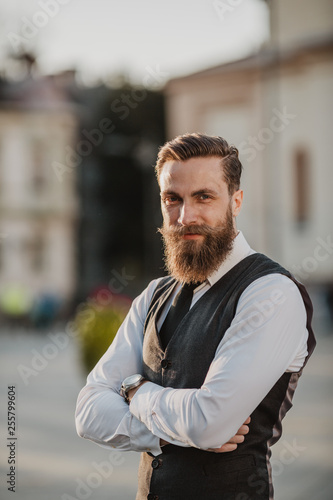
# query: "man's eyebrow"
204,191
169,192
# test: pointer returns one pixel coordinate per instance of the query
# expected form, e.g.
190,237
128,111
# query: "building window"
302,187
39,168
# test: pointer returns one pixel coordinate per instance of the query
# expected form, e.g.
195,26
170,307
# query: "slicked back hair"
196,145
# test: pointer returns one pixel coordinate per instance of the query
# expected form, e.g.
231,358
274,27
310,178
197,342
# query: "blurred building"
276,106
120,132
79,203
38,213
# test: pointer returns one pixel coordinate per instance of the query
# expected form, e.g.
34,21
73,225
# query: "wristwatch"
130,383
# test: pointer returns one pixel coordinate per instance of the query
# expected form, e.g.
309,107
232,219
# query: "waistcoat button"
165,363
156,463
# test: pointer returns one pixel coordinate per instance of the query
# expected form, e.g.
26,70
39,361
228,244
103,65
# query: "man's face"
198,217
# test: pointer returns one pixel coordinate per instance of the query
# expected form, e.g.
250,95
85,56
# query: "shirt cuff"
141,440
143,401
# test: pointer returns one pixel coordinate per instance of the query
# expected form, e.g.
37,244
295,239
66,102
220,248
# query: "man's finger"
244,429
236,439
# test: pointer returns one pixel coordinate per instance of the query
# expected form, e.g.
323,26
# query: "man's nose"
188,214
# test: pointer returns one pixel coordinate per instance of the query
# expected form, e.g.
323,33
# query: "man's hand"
234,441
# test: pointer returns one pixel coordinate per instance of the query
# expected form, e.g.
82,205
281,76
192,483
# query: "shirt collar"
240,250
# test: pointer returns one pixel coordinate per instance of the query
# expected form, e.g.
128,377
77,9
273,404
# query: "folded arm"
267,337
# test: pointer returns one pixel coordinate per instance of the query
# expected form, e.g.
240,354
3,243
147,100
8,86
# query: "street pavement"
53,463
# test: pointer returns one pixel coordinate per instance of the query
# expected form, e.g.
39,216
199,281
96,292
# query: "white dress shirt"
267,337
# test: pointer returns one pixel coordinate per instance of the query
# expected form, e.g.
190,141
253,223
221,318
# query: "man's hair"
194,145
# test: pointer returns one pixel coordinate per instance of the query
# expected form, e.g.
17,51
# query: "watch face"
133,379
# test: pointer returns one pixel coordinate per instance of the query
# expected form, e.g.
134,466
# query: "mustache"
202,229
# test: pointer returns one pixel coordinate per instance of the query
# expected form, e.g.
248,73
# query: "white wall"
26,213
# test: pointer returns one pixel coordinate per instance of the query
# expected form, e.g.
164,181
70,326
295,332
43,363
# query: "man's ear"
237,200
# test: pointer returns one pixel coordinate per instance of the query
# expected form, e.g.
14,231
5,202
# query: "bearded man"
204,367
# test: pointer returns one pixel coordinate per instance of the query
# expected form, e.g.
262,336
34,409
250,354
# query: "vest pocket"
230,476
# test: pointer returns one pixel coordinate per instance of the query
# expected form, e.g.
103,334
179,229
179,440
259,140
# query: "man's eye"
170,200
204,197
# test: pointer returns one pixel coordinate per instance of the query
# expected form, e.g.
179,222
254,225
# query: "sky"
105,37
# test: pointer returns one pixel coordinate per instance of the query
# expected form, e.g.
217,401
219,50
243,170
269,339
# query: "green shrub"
97,325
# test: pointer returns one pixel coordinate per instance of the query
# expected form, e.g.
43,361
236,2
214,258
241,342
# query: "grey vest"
189,473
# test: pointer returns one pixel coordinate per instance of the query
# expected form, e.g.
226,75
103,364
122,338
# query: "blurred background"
88,93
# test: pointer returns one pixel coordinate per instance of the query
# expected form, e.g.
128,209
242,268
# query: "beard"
191,261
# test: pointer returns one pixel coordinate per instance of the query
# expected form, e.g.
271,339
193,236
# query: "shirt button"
165,363
156,463
151,496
